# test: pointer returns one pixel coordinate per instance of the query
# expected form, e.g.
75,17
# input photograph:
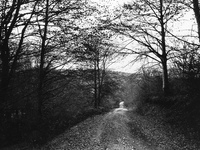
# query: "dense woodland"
55,57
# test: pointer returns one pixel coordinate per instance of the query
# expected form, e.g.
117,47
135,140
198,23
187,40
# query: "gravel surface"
121,130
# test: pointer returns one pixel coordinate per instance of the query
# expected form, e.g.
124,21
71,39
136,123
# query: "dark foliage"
180,109
68,100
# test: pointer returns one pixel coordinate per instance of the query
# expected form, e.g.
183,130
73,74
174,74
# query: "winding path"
120,129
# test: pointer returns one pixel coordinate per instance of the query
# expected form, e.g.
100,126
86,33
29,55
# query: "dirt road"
120,129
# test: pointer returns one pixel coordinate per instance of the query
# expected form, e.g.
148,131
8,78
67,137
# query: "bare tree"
95,52
187,62
14,21
147,23
56,25
42,57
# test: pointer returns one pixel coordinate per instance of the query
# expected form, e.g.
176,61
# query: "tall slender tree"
95,51
56,27
42,57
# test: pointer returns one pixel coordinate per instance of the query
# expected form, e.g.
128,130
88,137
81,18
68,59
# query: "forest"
55,58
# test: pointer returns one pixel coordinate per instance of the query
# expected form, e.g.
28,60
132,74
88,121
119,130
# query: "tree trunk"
197,15
165,77
164,54
99,83
5,77
95,85
42,62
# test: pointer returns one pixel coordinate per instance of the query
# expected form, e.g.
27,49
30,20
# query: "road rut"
121,129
